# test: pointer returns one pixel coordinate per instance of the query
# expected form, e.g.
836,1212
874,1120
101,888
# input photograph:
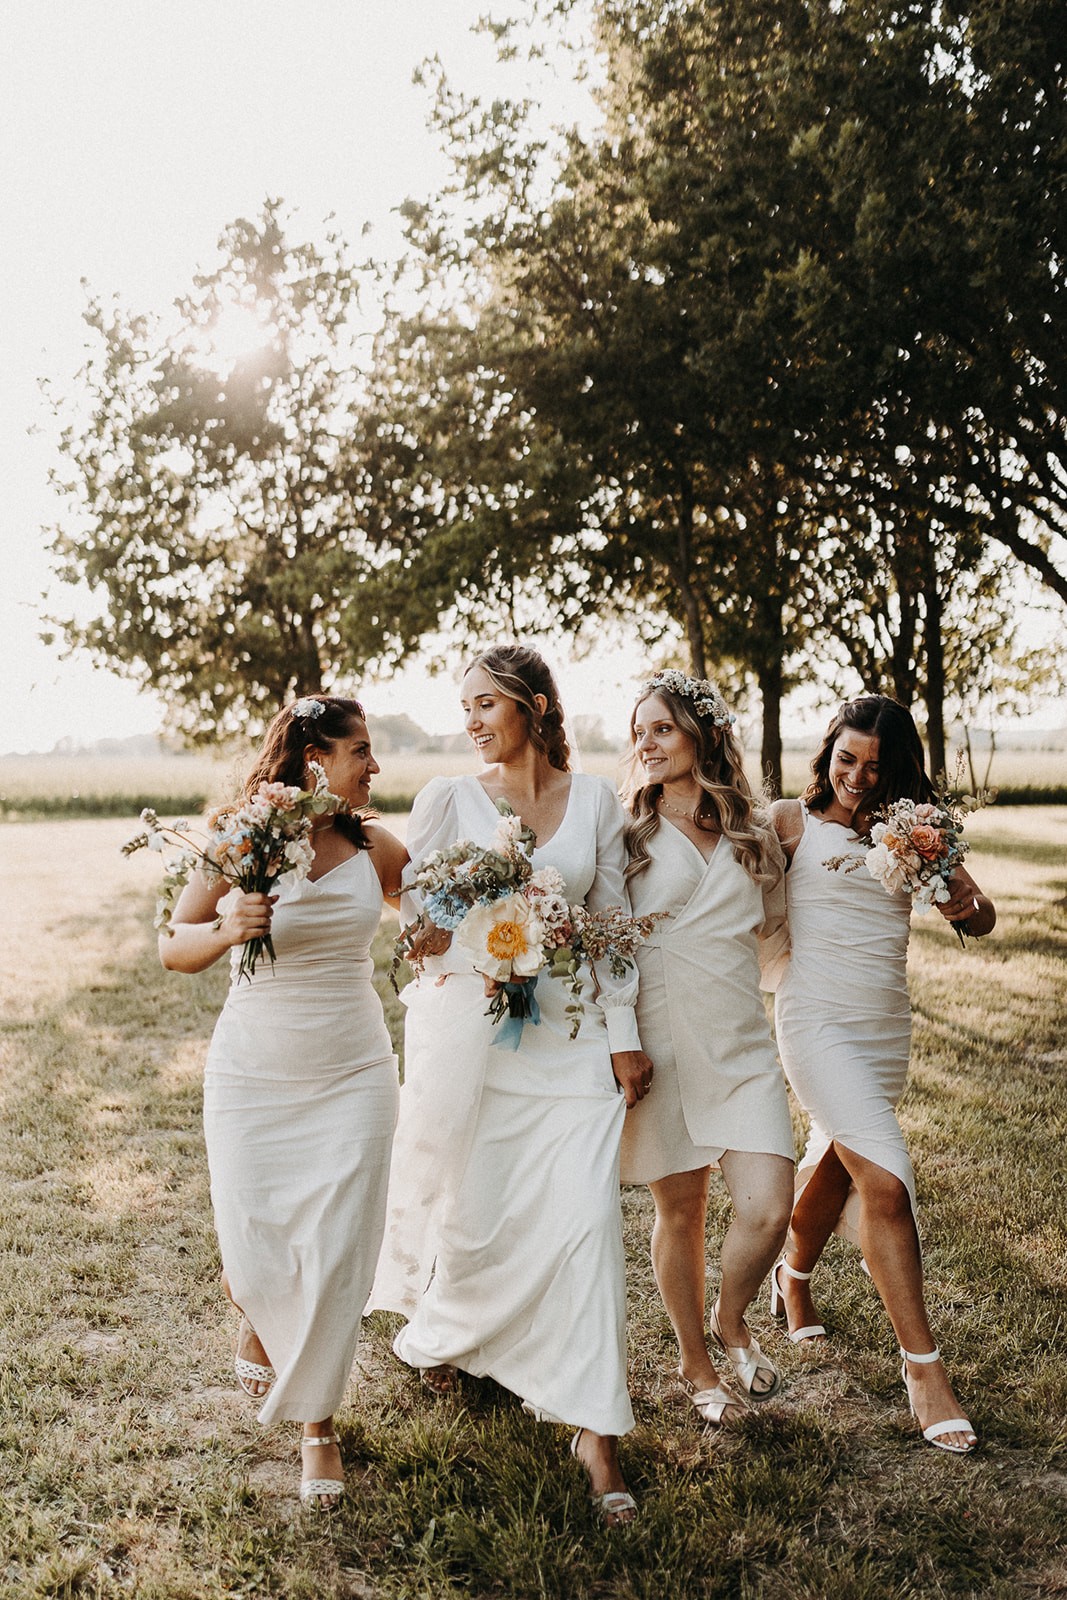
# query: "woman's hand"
430,940
968,904
247,916
633,1074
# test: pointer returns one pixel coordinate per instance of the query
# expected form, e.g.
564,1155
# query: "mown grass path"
130,1464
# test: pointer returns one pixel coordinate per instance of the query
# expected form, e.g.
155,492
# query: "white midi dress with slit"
842,1010
717,1084
300,1098
504,1237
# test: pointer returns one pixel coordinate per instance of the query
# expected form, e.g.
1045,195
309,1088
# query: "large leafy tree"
213,505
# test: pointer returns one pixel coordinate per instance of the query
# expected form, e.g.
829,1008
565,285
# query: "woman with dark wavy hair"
843,1020
700,848
504,1239
300,1087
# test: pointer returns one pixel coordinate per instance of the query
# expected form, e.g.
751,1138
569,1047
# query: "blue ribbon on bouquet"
522,1008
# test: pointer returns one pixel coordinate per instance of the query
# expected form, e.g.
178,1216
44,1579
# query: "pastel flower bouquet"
512,922
249,845
915,847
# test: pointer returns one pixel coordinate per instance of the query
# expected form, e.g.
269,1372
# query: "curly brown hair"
281,755
901,761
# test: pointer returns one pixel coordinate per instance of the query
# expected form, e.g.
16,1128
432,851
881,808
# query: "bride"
504,1238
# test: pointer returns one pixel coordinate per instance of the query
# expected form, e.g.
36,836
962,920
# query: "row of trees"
773,360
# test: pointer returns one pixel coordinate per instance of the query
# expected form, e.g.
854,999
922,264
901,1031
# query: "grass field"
115,786
131,1465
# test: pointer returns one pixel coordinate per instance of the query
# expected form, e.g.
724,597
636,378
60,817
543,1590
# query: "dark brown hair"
281,755
901,761
520,673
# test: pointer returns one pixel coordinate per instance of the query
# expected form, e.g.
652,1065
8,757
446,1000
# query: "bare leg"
599,1455
890,1246
249,1347
681,1202
321,1460
812,1223
761,1188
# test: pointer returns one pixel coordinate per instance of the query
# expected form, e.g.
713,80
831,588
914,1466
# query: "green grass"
131,1465
35,787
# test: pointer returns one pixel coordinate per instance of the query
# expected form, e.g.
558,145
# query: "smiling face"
495,724
853,772
666,752
349,764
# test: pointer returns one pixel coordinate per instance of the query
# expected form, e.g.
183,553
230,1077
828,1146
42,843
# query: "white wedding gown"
842,1012
300,1100
717,1083
504,1238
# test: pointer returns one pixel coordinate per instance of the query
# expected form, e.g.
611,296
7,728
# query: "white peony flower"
503,940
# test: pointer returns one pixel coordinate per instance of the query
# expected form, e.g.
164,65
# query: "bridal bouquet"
915,846
512,921
249,845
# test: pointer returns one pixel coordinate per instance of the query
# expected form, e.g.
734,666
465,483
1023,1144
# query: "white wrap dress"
717,1085
842,1011
504,1238
300,1098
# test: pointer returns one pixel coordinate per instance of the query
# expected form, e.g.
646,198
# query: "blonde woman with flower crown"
504,1240
300,1088
700,849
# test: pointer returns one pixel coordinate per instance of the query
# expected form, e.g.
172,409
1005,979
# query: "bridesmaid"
843,1021
699,849
301,1086
504,1241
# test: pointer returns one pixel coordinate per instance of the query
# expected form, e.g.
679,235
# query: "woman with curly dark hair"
301,1085
843,1020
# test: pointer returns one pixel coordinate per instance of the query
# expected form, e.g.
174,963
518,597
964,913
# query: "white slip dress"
842,1011
504,1239
717,1084
300,1098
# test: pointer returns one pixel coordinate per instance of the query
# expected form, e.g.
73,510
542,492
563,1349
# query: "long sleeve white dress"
504,1238
717,1083
300,1098
842,1011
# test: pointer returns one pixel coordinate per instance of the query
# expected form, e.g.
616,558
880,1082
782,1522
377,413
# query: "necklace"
676,811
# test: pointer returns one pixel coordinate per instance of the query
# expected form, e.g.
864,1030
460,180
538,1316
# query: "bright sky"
131,135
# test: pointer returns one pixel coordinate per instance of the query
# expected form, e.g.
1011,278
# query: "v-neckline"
707,860
314,882
540,845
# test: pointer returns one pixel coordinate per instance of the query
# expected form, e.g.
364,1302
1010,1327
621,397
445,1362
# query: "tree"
213,511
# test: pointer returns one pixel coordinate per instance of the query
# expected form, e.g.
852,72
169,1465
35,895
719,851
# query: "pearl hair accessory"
705,696
308,709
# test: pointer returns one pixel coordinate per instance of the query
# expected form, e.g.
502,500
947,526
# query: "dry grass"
130,1465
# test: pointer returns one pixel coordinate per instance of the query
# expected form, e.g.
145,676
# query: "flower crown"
308,708
707,700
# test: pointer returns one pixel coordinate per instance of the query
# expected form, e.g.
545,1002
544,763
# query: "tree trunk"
769,678
935,670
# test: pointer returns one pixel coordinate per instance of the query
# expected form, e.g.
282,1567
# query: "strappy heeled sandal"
746,1361
325,1492
249,1372
933,1434
711,1404
617,1508
816,1330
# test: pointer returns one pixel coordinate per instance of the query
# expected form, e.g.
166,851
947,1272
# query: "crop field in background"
130,1465
92,785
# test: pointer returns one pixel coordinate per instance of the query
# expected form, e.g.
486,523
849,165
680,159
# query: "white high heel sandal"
816,1330
324,1492
933,1433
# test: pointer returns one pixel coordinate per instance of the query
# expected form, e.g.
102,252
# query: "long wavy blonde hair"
727,805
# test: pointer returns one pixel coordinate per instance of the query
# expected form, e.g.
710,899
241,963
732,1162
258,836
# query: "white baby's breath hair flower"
707,700
308,708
